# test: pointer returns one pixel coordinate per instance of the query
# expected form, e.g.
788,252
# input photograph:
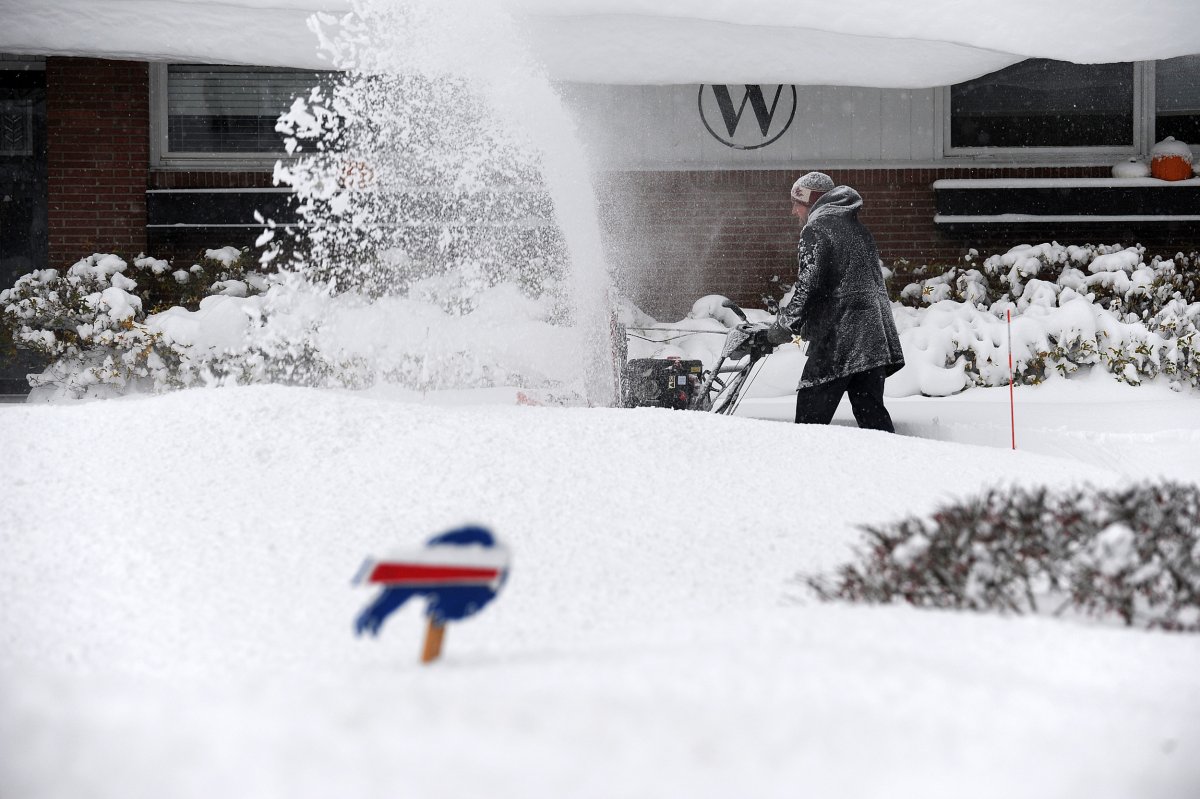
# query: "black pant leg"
816,404
866,399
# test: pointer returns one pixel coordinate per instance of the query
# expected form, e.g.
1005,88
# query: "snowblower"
683,384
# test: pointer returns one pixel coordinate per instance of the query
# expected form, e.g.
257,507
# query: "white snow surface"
813,42
176,606
1170,147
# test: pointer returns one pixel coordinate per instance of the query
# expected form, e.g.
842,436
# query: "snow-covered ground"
175,601
176,609
1138,432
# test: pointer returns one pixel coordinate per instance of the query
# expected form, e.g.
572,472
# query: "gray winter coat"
840,305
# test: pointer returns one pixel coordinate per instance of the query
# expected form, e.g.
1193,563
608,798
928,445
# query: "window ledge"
1060,183
1012,219
216,164
1065,200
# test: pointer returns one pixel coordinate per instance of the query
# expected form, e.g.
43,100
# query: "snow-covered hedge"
110,328
98,327
1131,554
89,321
1071,307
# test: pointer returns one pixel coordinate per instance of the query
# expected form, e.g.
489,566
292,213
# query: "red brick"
679,235
98,156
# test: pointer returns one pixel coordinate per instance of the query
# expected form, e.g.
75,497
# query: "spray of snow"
439,166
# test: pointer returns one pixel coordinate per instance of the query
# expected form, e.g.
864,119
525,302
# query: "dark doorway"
23,204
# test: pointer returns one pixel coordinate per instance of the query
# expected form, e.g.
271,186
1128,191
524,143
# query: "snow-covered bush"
1115,277
1071,307
1130,554
90,321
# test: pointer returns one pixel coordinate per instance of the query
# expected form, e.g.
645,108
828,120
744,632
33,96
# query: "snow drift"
176,614
811,42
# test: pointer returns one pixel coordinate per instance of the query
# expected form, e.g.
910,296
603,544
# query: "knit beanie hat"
809,187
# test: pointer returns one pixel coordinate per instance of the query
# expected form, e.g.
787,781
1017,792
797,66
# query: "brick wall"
681,235
98,156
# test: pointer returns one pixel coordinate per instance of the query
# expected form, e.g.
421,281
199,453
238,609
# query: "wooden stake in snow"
1012,411
434,634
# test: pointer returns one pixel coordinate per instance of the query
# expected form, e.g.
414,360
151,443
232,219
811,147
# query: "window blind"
230,109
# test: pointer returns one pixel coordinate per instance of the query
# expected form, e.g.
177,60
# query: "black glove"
776,334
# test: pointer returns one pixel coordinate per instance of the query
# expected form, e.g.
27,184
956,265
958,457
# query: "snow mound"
866,42
189,606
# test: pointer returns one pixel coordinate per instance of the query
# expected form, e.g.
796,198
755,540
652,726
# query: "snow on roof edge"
577,44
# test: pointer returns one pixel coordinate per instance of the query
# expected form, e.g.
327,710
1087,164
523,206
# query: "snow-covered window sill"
1059,200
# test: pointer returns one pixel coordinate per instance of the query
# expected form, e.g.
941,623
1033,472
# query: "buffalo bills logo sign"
458,572
723,111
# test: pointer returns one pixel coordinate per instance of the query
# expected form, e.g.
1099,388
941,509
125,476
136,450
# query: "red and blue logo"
459,572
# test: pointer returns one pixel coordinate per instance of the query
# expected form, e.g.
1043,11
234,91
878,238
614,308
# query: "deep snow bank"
205,514
175,612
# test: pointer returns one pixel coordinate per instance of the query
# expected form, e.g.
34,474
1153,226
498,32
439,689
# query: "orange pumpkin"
1170,167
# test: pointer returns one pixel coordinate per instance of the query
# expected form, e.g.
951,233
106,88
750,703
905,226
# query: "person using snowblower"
840,306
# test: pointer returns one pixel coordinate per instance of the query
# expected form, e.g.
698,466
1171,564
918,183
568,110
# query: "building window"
223,115
1045,104
1177,99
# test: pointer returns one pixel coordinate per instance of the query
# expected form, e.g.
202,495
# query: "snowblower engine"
660,382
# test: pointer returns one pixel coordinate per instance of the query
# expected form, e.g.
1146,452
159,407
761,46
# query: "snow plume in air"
436,166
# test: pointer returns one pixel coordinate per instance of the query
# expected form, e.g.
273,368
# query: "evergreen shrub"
1130,554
